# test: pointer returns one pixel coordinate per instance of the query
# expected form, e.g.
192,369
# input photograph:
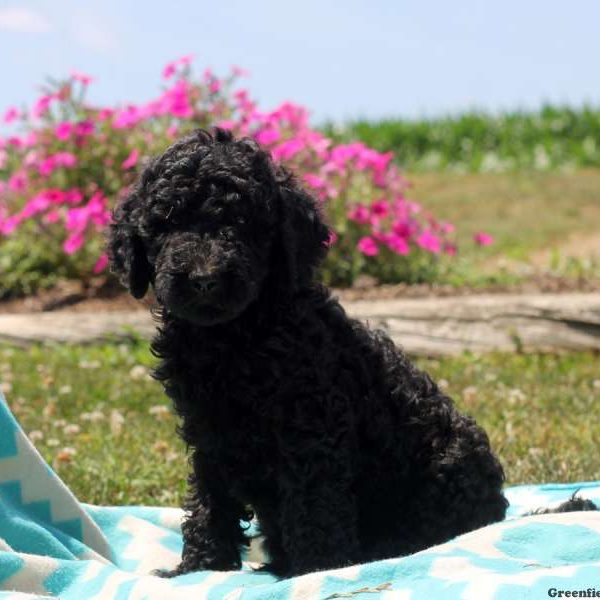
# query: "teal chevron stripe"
12,498
8,439
67,532
68,571
72,527
10,563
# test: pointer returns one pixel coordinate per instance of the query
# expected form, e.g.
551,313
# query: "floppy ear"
127,254
303,236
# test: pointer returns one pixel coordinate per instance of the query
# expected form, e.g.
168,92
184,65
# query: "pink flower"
398,244
17,182
84,128
37,204
450,249
11,115
176,102
15,141
55,196
314,180
227,124
131,160
73,196
413,207
267,136
238,71
214,86
169,70
333,238
430,242
287,149
73,243
447,228
52,216
172,131
60,159
101,264
65,159
42,105
3,158
81,77
404,228
126,117
368,246
104,114
76,219
31,159
359,214
380,208
483,239
10,224
171,67
63,130
96,210
31,139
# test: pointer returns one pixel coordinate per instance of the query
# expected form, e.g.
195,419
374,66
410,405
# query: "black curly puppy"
344,450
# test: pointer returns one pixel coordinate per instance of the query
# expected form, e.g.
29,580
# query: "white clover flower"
93,417
516,395
63,390
71,429
90,364
160,411
171,456
469,393
139,372
36,435
116,422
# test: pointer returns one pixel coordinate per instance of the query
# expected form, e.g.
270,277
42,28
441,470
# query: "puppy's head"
211,224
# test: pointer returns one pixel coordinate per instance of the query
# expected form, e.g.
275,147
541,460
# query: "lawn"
105,426
526,212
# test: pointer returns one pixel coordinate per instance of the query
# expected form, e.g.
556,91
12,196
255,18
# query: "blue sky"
341,59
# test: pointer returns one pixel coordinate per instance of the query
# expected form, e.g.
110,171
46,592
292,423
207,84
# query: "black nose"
204,283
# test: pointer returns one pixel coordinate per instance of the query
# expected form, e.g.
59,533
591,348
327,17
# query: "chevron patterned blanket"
51,545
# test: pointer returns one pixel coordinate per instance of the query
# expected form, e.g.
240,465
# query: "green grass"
537,409
138,461
552,137
526,212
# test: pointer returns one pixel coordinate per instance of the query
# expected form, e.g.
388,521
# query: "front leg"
318,509
212,533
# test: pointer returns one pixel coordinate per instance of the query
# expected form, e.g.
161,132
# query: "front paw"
280,569
192,564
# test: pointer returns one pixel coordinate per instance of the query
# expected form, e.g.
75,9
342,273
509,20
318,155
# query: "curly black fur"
343,449
573,504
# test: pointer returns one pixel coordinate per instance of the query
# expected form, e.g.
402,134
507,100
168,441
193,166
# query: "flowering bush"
62,173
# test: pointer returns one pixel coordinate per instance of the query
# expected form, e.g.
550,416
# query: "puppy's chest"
234,412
